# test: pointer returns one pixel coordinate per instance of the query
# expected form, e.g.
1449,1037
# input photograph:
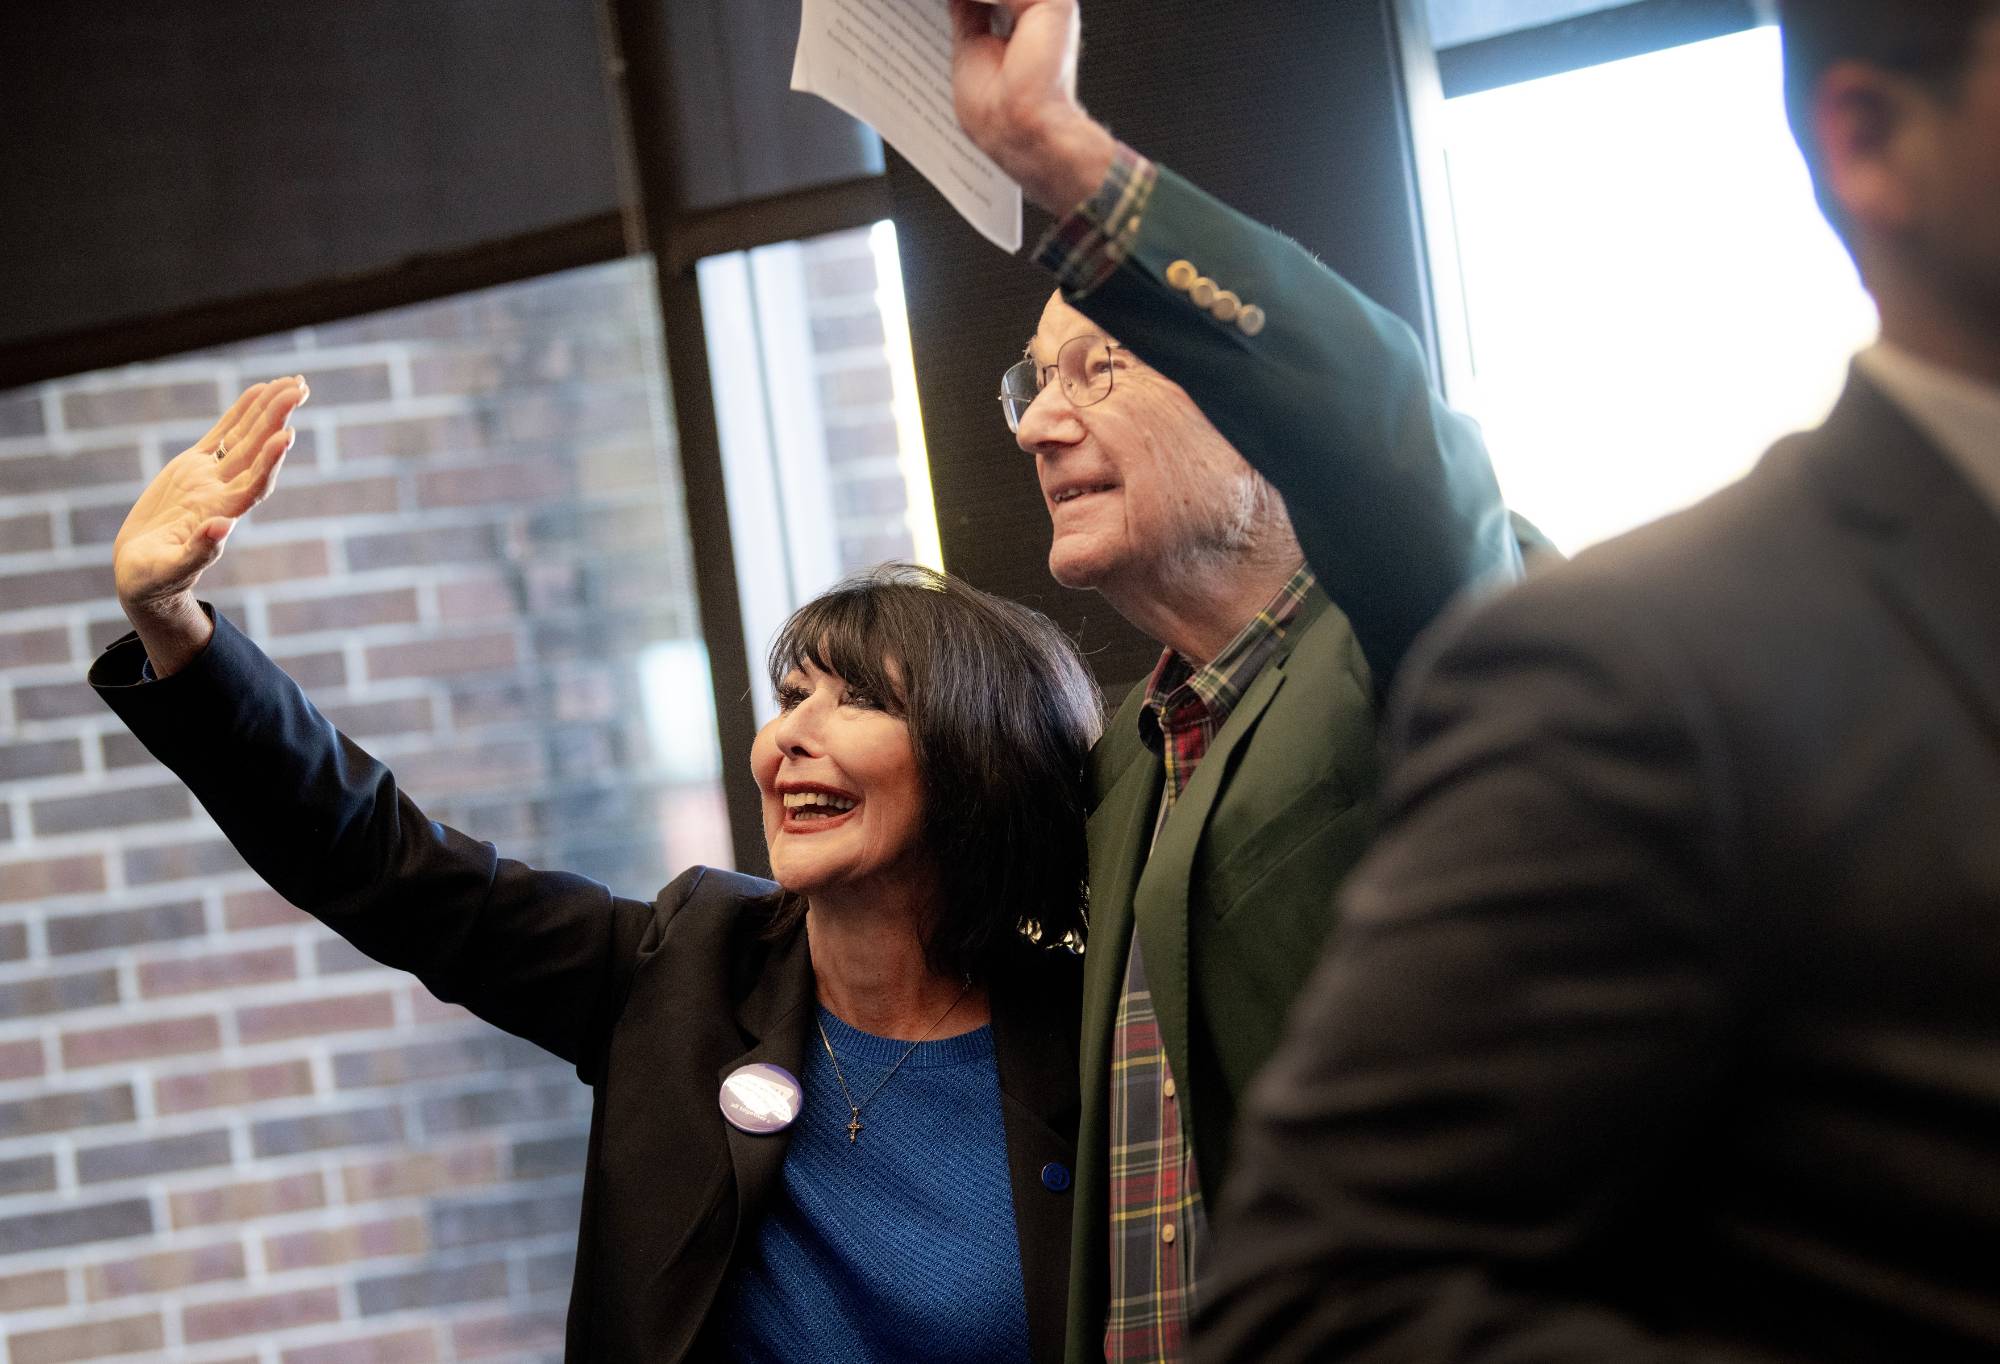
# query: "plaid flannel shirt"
1093,240
1158,1225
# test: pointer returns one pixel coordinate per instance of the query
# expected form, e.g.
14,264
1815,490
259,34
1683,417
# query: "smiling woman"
923,805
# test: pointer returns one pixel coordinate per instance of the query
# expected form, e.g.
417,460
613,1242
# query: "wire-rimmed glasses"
1083,366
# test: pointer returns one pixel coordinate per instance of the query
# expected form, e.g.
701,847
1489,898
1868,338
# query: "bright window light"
1651,294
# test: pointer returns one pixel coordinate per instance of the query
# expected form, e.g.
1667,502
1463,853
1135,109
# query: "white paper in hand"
888,63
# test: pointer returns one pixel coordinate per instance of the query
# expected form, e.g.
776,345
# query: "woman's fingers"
271,410
228,419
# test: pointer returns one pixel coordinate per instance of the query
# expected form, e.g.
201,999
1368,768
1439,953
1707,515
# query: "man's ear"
1862,119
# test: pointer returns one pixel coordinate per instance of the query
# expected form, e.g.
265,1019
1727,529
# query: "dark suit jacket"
1663,1021
1397,510
653,1003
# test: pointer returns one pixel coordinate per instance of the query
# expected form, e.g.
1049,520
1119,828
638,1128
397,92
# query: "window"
1651,294
816,408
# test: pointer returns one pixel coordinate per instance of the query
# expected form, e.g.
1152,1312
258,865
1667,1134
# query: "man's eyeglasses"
1083,367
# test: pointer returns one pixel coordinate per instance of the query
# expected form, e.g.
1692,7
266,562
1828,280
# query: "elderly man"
1664,1018
1236,786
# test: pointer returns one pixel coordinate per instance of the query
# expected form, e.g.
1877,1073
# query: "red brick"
223,971
37,1288
426,1007
21,1060
26,534
244,1202
98,525
511,1334
347,497
396,715
409,437
90,1340
349,612
245,1085
23,648
21,413
413,548
57,586
111,809
55,473
248,1316
123,749
321,669
54,994
76,1226
367,383
321,1247
487,597
138,1041
27,1174
431,1287
50,877
422,1174
260,908
471,768
324,1131
164,1271
310,1017
481,484
69,934
13,937
251,565
180,861
152,1156
443,657
398,1347
196,400
42,758
54,700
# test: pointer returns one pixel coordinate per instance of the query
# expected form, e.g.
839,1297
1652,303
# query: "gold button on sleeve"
1201,293
1181,274
1225,306
1167,1233
1250,320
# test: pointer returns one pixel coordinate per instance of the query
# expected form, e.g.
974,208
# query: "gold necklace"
854,1109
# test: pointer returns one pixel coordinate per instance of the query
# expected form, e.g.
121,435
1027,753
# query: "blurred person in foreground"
1246,458
1663,1020
884,1173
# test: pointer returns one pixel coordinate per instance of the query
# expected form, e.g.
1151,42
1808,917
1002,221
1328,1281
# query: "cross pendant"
853,1125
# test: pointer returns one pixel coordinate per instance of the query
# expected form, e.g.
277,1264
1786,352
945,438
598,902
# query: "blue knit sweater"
899,1246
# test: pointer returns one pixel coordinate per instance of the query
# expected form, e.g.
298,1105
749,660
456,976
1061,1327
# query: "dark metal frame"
1607,35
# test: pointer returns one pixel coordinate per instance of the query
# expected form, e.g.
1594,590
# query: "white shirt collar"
1960,413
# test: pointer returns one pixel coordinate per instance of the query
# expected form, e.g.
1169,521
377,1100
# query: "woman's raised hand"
177,527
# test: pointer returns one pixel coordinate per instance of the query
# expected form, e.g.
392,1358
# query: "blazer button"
1225,306
1201,293
1250,320
1181,274
1055,1177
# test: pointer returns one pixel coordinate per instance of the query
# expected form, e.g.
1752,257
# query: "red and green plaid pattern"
1094,239
1158,1226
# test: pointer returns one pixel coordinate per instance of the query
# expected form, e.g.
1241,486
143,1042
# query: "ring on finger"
221,447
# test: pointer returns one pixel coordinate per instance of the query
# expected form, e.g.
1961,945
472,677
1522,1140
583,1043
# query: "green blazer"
1396,506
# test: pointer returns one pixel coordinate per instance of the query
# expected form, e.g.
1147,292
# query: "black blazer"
1663,1021
653,1003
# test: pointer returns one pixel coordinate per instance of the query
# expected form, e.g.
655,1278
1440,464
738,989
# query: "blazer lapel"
775,1018
1933,541
1160,908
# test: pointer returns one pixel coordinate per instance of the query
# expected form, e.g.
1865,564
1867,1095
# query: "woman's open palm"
176,528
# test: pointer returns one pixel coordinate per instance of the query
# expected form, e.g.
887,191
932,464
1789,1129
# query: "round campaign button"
762,1098
1055,1177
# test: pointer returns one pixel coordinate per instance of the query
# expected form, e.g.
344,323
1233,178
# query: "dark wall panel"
1293,110
161,157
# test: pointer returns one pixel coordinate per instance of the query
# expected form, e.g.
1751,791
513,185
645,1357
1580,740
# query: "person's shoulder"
1694,581
716,899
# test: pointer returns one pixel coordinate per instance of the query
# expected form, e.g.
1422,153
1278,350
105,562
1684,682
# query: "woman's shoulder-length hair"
1002,713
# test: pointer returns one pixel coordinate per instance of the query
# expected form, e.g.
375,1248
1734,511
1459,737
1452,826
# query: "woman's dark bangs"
843,633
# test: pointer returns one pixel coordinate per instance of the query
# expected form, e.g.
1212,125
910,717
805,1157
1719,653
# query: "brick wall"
871,500
224,1135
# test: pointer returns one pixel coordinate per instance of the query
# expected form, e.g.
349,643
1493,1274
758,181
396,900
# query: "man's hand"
1016,98
176,528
